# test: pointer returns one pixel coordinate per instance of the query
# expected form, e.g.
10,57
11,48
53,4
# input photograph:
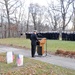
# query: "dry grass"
32,67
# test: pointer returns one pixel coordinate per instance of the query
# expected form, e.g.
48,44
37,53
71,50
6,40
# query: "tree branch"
14,10
2,3
13,5
69,19
68,4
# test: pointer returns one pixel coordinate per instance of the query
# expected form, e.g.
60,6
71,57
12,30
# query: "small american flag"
18,60
13,56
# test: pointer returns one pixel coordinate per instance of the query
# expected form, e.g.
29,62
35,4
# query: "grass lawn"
32,67
16,41
52,45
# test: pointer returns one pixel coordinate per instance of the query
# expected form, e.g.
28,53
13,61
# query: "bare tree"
1,25
64,10
27,27
33,10
65,5
10,6
37,13
18,19
53,17
74,14
41,18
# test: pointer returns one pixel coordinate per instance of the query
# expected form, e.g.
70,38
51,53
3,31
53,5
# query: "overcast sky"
40,2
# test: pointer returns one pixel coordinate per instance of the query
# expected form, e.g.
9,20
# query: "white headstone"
19,60
9,57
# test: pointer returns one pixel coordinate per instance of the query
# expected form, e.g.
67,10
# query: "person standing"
33,39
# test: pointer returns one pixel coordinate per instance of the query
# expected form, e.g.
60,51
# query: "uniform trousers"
33,49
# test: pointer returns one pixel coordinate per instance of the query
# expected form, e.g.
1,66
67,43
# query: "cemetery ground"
31,66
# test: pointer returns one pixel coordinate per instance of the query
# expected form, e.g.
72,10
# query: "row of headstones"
10,58
55,36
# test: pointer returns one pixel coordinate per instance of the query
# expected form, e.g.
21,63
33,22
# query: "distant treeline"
54,36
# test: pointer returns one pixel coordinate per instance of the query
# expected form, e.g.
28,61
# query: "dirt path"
56,60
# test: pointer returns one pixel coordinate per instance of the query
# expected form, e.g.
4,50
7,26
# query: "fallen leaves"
32,67
65,53
2,58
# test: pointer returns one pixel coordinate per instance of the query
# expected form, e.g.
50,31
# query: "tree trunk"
35,28
2,26
63,16
74,20
8,17
27,23
5,32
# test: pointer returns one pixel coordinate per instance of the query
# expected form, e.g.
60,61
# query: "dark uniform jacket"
33,39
